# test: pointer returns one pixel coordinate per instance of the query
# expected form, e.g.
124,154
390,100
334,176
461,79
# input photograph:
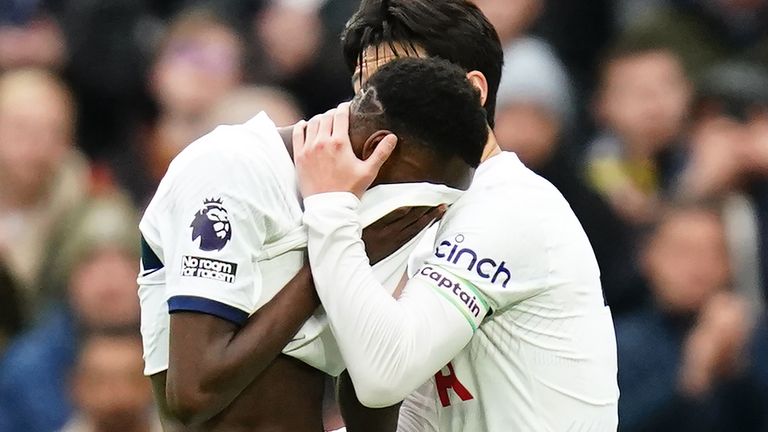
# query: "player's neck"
416,166
491,147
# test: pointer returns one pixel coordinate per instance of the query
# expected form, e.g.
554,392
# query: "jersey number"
450,381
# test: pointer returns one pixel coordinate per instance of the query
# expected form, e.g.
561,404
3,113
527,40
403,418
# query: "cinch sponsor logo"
454,287
486,268
208,268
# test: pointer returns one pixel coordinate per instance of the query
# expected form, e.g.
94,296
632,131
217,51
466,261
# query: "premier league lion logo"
211,224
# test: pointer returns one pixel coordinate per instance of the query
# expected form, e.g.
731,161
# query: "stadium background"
651,116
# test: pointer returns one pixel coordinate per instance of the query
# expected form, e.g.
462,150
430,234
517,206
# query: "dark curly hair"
427,102
455,30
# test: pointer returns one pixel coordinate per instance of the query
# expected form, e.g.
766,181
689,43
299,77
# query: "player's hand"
324,158
385,236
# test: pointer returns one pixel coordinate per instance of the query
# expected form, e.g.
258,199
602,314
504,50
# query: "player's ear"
372,142
478,80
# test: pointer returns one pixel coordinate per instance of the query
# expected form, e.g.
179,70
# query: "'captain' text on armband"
456,253
453,287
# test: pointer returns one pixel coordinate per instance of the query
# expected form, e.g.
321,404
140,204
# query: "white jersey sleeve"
208,222
390,346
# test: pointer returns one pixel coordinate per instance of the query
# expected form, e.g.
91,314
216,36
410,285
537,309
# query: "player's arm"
390,346
358,417
215,229
216,220
213,359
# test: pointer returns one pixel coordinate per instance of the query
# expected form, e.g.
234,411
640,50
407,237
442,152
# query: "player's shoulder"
493,197
506,207
504,177
507,193
247,163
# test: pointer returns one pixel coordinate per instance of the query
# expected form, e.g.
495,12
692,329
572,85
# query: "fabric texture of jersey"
544,359
505,306
223,234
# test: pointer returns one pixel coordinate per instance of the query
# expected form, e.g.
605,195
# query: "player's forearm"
266,333
199,389
390,347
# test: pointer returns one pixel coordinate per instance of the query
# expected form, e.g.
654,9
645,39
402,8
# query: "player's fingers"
414,215
394,215
437,213
326,127
311,131
298,137
425,220
381,153
341,123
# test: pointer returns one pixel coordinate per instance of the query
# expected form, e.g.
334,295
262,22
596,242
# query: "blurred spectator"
536,96
109,390
511,19
297,48
199,62
642,107
101,288
43,179
629,12
728,148
10,309
525,55
245,102
538,35
704,32
300,19
683,362
729,129
29,36
579,31
534,117
109,44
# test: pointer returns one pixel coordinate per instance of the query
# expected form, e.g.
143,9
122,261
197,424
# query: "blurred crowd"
650,116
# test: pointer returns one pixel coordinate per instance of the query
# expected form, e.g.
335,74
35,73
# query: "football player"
504,318
224,287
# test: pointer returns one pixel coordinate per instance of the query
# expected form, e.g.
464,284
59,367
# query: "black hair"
455,30
427,102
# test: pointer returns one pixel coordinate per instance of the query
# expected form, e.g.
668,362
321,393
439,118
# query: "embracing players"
223,284
224,371
503,317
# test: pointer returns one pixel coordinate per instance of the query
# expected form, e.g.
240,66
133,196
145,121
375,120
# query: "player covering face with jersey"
223,286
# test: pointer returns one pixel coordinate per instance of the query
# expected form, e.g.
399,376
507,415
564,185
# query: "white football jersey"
223,234
513,258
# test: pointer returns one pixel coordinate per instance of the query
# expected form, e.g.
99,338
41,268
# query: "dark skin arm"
358,417
212,360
